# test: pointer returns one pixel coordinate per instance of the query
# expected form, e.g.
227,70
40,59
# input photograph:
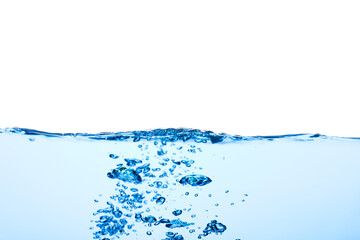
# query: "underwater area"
178,184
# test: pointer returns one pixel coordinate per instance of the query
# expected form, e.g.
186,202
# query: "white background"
241,67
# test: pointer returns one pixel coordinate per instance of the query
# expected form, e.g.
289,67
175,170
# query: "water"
178,184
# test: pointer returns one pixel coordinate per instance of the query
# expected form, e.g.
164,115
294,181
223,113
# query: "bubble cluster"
144,189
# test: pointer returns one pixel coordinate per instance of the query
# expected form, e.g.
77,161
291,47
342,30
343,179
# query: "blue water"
178,184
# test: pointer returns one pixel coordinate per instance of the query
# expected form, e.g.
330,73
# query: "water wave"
168,135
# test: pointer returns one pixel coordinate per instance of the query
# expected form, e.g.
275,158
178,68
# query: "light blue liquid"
178,184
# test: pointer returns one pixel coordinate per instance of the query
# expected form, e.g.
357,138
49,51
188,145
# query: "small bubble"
140,146
95,200
187,193
148,233
160,200
246,195
196,194
113,156
195,180
243,200
210,195
232,204
216,204
193,215
226,191
31,139
177,212
191,230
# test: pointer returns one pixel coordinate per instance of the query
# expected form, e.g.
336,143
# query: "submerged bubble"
149,219
177,212
177,224
213,227
164,220
161,152
125,174
131,162
143,168
160,200
195,180
173,236
113,156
